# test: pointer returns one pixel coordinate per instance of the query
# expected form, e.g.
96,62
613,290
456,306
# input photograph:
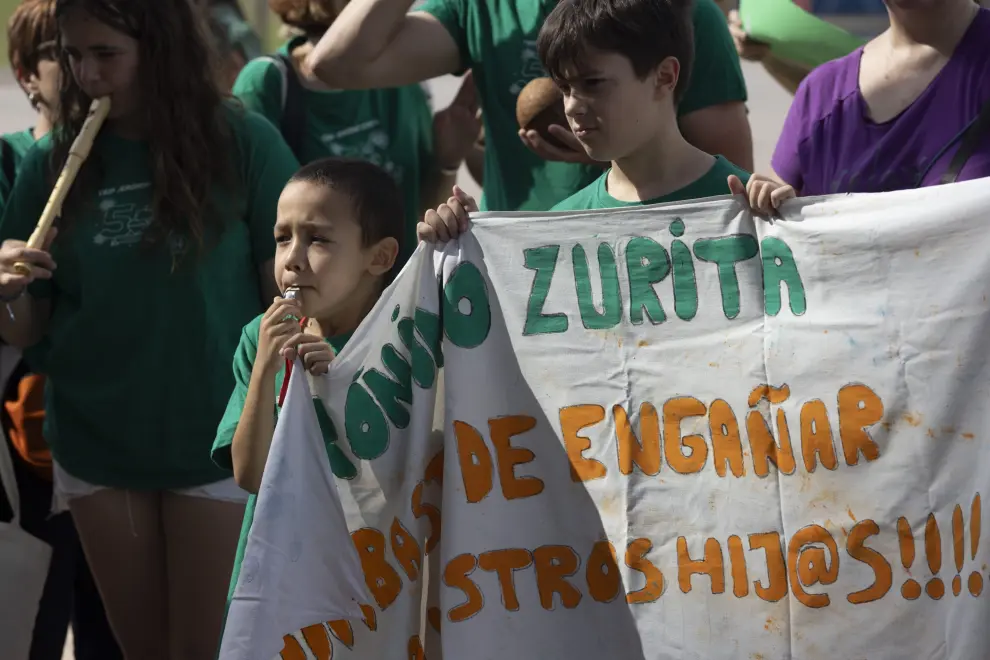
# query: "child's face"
104,62
318,249
610,110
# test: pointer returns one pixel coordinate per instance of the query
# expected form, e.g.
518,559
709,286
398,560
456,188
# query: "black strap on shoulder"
7,162
968,143
293,111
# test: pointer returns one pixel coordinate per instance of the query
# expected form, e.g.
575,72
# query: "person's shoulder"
261,66
705,13
257,74
31,156
981,24
828,85
20,142
584,199
248,125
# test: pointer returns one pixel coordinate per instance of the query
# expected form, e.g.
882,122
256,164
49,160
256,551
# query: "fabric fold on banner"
298,518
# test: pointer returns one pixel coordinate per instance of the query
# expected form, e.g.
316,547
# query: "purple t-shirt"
830,145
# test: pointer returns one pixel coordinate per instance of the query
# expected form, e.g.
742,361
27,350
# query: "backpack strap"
293,124
968,143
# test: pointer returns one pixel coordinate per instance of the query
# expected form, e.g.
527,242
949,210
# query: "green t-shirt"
713,183
244,358
138,366
392,128
497,39
18,144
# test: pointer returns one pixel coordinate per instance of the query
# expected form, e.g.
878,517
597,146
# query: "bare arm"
456,131
721,129
377,43
253,437
256,428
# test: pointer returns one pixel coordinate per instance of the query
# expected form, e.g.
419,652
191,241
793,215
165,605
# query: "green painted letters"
685,284
392,393
365,423
544,261
611,312
470,328
779,267
725,252
340,465
647,263
423,370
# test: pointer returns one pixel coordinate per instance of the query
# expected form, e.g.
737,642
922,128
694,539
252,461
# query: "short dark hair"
644,31
374,195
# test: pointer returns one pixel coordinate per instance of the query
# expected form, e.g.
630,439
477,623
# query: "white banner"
670,432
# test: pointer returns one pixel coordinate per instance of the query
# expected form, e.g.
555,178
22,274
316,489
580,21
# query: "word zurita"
648,263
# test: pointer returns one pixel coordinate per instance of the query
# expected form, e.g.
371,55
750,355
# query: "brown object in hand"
540,104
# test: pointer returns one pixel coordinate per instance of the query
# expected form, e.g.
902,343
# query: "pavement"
768,104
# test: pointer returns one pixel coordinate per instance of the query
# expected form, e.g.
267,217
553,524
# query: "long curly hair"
188,130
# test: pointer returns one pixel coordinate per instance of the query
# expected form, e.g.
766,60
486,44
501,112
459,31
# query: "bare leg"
121,533
201,540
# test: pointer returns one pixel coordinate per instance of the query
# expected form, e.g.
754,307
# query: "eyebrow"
323,225
94,47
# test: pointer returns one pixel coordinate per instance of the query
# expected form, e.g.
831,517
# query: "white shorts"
68,488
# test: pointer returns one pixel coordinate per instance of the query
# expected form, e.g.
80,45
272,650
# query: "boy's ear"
666,75
383,256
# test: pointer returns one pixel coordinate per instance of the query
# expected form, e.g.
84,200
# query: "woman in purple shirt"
892,115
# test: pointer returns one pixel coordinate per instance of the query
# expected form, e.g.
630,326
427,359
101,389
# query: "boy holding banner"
381,43
622,66
338,235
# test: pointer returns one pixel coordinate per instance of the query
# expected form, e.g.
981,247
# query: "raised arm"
713,111
378,43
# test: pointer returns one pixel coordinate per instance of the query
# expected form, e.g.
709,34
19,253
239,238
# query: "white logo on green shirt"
365,141
530,69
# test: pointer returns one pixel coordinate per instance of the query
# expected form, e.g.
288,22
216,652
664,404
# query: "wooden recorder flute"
78,153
